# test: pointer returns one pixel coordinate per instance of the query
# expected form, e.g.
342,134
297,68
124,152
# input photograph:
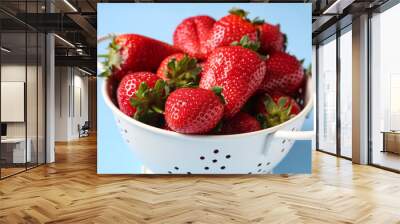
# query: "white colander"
166,152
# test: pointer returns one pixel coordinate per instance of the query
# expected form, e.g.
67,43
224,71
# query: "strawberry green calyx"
285,41
276,113
262,120
113,59
247,43
183,73
243,14
218,91
239,12
218,128
308,70
150,102
257,21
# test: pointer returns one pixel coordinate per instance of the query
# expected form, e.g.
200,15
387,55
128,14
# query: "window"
327,96
334,106
346,92
385,89
22,75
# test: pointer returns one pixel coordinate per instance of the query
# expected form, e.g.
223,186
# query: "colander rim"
164,132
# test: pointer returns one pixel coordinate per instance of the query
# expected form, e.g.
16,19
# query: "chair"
84,130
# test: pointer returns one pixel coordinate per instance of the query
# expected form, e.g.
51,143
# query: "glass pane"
32,86
386,89
41,99
327,96
346,94
32,98
13,86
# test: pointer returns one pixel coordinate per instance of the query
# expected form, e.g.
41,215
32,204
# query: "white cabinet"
17,146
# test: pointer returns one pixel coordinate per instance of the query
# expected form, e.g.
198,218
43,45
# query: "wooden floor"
387,159
70,191
5,172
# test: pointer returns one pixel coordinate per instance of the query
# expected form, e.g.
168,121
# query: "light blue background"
159,21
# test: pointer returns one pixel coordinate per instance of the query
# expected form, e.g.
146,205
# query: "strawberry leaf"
261,118
270,105
218,91
308,71
277,113
247,43
113,59
183,73
282,102
257,21
149,102
157,110
271,108
288,110
218,128
239,12
285,41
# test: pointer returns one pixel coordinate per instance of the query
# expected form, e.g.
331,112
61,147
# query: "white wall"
62,81
71,94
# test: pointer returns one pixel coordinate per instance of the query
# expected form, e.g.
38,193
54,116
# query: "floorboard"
70,191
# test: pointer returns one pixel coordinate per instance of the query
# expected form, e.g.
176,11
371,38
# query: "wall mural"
204,88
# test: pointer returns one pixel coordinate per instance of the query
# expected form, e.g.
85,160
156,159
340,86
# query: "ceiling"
76,22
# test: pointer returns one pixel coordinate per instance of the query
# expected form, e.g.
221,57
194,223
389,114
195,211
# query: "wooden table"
391,141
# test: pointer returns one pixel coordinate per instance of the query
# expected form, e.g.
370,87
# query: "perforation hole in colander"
213,162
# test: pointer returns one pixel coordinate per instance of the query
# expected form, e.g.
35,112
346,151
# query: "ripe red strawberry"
180,70
191,35
193,110
271,38
135,53
141,95
238,70
229,29
276,108
128,87
284,74
240,123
